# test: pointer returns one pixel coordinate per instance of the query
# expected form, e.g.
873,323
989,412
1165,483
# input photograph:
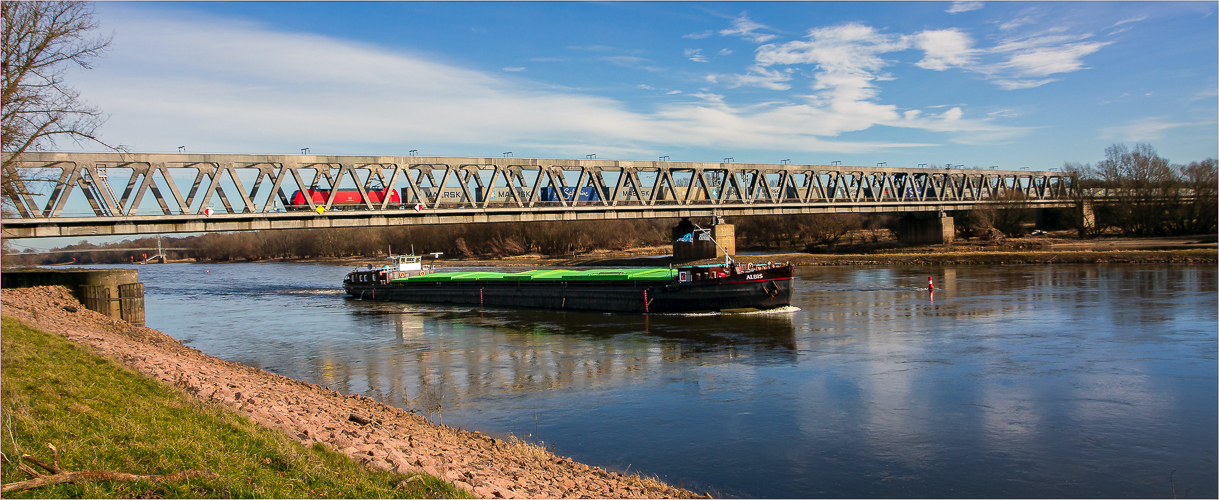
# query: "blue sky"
1012,84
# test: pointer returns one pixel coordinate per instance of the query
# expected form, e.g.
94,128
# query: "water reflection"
442,355
1057,380
1011,381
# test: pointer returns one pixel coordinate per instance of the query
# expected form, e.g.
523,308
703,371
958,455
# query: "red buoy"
930,285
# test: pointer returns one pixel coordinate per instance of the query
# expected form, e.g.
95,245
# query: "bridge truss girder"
446,190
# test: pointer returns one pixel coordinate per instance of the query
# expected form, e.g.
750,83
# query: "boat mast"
727,258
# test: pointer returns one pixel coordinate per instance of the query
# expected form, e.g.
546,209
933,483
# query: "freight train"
350,198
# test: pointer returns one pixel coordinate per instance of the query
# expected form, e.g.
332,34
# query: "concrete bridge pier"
1087,216
690,243
114,292
1081,217
937,229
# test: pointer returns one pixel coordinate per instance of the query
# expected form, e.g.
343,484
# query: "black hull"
766,290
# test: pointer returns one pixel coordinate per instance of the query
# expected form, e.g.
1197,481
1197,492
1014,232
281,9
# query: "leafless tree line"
460,240
457,240
1153,197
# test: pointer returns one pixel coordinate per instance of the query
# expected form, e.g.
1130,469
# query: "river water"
1015,381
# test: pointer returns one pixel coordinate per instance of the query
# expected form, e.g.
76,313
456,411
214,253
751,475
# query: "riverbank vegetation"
1147,195
101,416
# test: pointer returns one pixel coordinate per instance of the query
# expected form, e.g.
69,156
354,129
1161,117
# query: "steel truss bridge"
85,194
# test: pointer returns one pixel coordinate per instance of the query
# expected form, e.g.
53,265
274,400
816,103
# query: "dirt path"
395,440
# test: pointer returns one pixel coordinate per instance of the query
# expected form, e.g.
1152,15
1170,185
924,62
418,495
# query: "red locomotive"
344,198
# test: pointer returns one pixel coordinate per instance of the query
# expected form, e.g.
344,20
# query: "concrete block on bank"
114,292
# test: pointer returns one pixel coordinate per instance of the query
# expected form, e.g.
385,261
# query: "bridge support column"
689,243
1087,218
935,230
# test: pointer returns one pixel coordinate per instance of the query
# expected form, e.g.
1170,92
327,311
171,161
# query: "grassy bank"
102,416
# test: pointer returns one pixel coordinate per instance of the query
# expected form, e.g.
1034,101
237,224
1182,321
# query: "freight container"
630,194
698,195
447,195
549,193
501,194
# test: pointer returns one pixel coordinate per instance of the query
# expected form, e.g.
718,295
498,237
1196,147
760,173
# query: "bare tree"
1144,184
1142,168
42,40
1201,215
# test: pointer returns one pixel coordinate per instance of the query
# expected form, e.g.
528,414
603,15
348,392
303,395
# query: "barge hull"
771,290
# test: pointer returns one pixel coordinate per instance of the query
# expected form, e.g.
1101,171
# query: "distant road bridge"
104,250
88,194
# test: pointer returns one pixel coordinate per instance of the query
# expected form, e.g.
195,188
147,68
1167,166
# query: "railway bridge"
87,194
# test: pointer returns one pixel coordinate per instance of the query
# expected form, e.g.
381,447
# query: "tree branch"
60,476
101,475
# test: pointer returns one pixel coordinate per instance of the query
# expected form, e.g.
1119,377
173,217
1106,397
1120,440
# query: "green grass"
103,416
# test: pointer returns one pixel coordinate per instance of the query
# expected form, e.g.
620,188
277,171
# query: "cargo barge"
728,287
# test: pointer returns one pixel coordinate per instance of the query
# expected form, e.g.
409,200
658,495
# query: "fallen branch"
60,476
100,475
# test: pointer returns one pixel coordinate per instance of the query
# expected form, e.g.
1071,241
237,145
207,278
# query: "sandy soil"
393,440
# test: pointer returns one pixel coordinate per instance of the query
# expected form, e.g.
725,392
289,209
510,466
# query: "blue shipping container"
587,193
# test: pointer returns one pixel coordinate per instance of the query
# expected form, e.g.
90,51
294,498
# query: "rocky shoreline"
375,434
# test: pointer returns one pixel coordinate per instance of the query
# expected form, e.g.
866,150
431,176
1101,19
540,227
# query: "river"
1013,381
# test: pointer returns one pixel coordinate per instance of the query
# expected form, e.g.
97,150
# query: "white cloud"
960,6
1004,113
699,36
1028,60
1045,61
1146,129
221,86
1208,93
1131,20
944,49
758,76
723,52
515,69
695,55
846,64
1017,84
1015,62
746,29
1018,22
847,59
